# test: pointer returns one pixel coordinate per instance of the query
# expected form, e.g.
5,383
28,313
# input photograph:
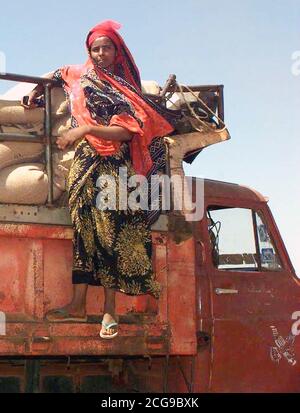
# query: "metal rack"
46,139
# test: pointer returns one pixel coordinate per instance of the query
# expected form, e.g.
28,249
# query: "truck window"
233,240
240,240
268,255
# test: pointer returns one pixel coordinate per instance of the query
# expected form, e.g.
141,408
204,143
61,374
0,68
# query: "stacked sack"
23,177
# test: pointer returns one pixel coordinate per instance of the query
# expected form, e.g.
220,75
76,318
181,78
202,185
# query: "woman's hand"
28,101
68,138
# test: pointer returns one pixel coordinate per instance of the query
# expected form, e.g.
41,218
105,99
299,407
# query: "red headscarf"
124,58
154,125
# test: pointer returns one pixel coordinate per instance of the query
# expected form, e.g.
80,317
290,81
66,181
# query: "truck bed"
35,276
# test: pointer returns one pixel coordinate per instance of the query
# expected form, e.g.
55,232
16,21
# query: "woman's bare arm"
111,133
36,92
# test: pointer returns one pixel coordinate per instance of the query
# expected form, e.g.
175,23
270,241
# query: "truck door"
255,303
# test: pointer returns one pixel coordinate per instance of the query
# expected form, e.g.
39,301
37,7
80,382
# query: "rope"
197,117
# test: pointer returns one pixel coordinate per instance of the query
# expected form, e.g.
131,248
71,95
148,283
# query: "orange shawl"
150,125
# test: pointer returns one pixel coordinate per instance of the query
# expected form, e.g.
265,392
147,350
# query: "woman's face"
103,52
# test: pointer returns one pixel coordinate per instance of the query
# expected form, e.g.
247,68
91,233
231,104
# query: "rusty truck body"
228,318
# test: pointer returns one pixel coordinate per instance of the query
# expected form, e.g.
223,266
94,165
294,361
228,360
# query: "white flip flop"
107,326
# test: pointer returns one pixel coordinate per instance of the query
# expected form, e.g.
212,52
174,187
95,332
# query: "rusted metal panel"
35,276
59,216
227,190
41,339
34,281
13,265
182,296
36,231
35,214
161,270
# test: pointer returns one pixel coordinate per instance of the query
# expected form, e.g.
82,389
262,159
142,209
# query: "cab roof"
219,189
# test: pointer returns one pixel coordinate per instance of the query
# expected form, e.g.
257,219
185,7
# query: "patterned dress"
112,248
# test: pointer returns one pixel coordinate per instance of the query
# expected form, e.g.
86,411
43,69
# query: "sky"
247,45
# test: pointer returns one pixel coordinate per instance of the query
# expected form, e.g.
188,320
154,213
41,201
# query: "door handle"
220,291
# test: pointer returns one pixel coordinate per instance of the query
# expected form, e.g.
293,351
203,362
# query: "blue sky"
246,45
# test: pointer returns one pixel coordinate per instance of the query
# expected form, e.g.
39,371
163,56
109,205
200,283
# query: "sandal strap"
107,326
64,313
59,311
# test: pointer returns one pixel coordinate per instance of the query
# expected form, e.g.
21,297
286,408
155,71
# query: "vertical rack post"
48,136
221,102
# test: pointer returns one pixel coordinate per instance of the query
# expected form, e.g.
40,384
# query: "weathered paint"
35,276
225,339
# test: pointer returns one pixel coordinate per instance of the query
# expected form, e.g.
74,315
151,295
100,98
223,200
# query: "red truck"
228,318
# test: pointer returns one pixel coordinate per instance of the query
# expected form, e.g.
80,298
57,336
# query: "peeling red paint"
225,338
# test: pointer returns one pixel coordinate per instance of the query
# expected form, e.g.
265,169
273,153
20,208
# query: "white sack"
26,184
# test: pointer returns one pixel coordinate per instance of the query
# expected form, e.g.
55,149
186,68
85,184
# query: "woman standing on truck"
116,127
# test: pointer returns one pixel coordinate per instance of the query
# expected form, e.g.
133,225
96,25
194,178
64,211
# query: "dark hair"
89,47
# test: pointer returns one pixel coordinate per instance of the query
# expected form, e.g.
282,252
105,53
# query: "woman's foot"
109,327
67,313
75,311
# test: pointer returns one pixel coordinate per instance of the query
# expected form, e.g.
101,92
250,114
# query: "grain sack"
11,112
151,87
62,161
26,184
12,153
61,125
27,128
64,158
59,104
177,100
